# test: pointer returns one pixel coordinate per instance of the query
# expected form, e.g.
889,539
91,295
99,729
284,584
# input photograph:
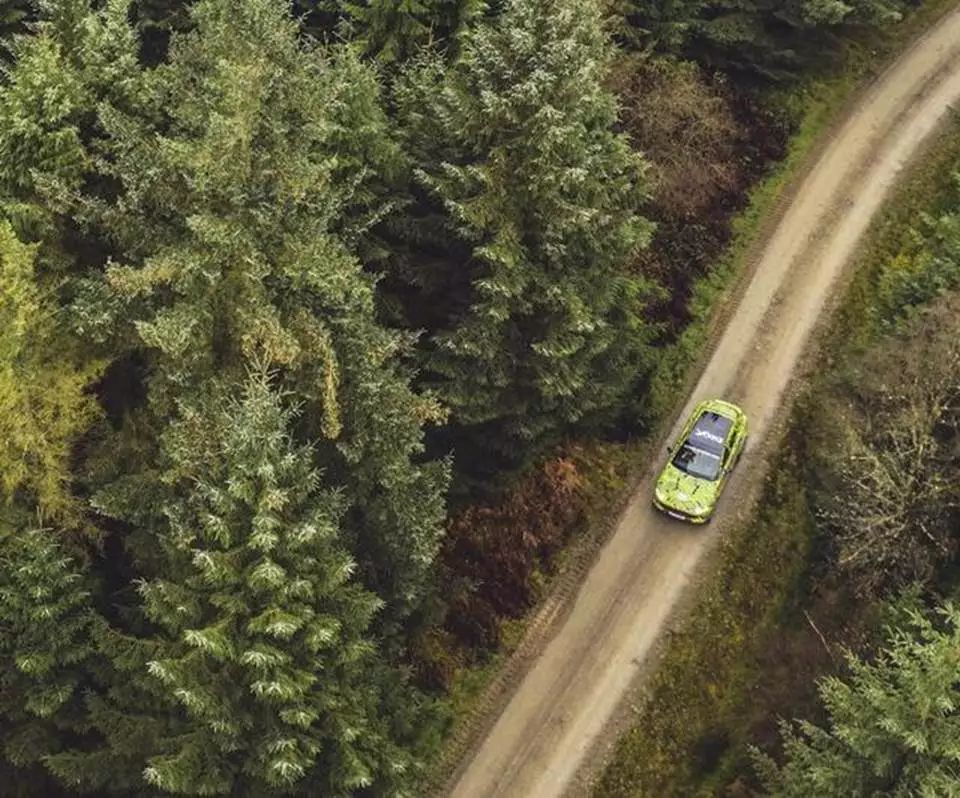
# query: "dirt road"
561,706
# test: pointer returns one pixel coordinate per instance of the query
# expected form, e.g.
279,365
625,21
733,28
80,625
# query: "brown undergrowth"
493,559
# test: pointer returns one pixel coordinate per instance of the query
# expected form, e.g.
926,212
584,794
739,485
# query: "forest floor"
594,650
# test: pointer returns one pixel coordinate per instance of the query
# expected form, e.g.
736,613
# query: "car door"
731,452
735,448
726,467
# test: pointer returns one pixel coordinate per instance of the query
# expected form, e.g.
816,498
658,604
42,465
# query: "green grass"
715,687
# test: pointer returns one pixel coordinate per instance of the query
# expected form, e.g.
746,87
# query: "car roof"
710,431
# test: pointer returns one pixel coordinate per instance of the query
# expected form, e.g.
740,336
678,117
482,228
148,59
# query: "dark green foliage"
924,272
200,219
774,38
234,248
393,30
894,724
193,200
39,107
14,16
260,657
76,60
46,620
528,220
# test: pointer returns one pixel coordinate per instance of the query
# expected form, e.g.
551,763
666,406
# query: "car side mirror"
669,450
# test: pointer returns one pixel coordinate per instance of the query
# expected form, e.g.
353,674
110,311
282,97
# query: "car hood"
684,492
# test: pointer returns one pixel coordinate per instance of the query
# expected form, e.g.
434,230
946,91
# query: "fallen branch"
820,635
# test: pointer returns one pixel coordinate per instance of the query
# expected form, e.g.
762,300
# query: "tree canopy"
772,38
528,211
280,283
893,723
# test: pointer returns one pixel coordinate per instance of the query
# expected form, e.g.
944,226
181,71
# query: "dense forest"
300,304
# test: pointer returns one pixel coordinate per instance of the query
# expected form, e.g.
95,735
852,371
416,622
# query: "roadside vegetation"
324,327
825,603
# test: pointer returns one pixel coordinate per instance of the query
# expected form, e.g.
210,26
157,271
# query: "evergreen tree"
43,402
238,208
76,60
200,217
771,37
393,30
522,246
894,724
260,669
46,620
38,130
14,16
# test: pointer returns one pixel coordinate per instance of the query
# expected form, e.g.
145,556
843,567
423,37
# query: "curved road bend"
559,709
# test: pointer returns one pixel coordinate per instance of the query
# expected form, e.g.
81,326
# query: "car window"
697,462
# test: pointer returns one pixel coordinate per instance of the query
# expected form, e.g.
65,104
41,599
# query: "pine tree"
391,30
771,37
394,31
76,60
537,320
38,131
260,656
46,620
239,208
894,724
199,218
14,15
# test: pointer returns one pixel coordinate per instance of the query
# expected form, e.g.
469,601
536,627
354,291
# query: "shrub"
892,475
492,554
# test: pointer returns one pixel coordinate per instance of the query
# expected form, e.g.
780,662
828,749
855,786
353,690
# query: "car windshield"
697,462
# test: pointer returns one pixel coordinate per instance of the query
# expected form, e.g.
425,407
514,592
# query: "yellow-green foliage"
43,404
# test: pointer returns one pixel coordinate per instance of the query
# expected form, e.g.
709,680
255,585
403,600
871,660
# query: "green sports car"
707,450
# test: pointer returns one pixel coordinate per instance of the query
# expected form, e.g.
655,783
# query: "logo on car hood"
710,436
